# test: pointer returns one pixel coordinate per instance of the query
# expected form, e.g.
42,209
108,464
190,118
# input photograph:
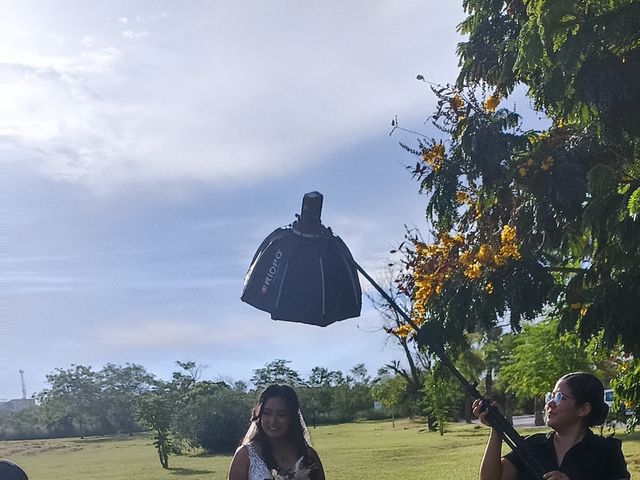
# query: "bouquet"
298,472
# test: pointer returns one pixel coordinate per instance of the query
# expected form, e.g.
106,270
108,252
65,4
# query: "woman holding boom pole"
571,450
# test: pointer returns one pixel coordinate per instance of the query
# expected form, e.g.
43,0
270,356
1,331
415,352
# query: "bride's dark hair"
296,429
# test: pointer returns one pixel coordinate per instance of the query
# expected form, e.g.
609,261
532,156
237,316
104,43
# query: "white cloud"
152,334
131,35
219,92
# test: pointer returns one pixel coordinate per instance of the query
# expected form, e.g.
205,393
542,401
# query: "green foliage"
626,387
155,408
570,191
72,396
540,356
24,424
213,417
83,401
580,59
276,371
390,391
441,393
119,387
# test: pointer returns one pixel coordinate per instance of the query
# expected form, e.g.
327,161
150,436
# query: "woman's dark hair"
586,387
296,432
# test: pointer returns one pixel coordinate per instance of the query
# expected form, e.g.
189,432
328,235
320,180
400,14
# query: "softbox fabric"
302,278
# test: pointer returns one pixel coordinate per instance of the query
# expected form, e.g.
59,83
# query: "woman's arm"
318,471
239,468
493,466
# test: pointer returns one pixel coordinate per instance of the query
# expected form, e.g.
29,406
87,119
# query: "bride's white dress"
258,470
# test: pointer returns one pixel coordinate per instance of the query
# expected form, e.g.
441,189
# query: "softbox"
304,273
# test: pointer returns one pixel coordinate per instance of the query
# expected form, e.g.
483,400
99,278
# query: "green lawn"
357,451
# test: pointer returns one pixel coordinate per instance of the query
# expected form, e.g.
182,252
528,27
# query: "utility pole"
24,387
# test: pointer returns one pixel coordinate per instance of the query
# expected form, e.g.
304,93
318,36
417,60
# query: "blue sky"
147,149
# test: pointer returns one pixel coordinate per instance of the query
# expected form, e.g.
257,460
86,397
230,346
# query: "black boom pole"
494,417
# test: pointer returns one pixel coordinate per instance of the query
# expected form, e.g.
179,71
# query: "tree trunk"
488,384
467,408
432,423
508,407
537,411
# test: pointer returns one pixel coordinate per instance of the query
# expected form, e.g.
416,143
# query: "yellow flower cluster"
403,331
491,103
450,256
486,256
473,270
579,306
434,156
456,103
508,246
462,197
527,166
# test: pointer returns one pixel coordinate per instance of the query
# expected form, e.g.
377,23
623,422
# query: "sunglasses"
557,397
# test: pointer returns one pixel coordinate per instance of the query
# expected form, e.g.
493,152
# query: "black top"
593,458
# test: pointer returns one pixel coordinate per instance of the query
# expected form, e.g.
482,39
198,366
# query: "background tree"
277,371
626,386
470,363
316,397
416,360
360,398
119,388
525,219
155,408
540,356
72,397
213,416
390,391
441,393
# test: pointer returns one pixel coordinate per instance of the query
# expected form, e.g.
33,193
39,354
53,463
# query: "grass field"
357,451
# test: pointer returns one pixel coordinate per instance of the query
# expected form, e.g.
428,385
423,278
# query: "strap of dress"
258,470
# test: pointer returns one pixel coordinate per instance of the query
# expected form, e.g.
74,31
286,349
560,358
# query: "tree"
390,391
540,356
119,388
416,359
359,389
276,371
159,406
441,392
471,365
316,398
626,386
522,219
155,408
212,416
72,396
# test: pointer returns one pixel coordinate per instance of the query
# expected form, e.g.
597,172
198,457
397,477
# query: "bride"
277,444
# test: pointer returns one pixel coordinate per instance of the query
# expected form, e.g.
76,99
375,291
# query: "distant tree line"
187,413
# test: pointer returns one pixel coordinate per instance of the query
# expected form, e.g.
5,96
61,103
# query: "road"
520,421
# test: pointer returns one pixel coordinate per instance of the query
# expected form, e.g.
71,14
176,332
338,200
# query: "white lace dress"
258,470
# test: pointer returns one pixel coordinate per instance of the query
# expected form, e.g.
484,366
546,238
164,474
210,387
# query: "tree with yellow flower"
522,220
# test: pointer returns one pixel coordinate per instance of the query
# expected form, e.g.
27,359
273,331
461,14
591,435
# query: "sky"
147,148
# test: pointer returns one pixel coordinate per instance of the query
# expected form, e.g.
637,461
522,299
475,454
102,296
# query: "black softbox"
304,273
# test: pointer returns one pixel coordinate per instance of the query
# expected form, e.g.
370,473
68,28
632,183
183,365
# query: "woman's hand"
480,412
555,475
